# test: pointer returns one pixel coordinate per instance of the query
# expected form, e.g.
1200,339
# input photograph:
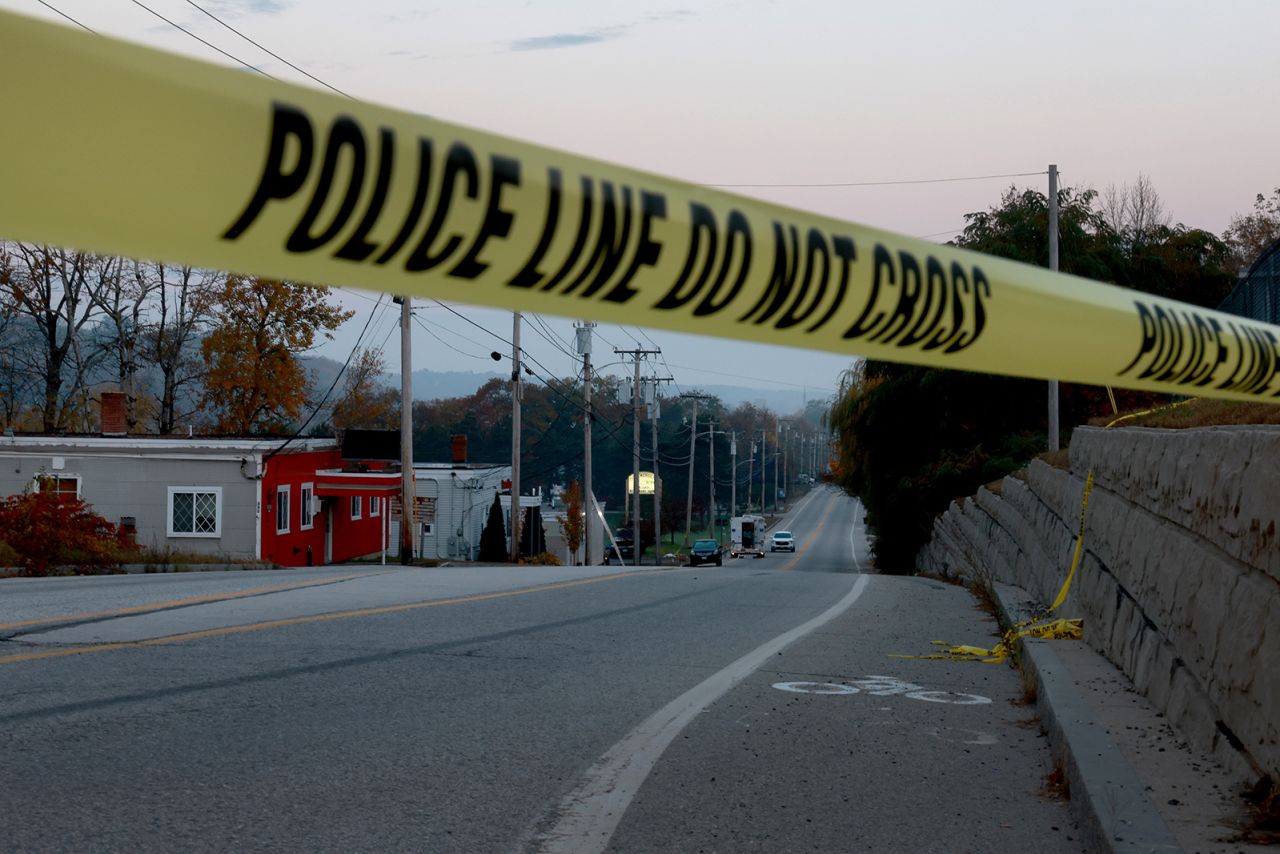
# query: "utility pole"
764,470
711,475
516,391
786,481
1053,265
584,348
406,433
693,448
655,412
733,467
657,483
751,471
777,437
636,356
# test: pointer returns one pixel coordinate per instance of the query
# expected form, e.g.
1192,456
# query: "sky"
743,92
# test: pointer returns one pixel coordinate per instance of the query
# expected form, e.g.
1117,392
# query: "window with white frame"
375,505
282,509
305,501
194,511
59,484
357,502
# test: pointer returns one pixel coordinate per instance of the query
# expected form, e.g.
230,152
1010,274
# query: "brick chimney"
458,444
113,420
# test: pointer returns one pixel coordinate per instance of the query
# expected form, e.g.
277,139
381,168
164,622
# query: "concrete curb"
1107,797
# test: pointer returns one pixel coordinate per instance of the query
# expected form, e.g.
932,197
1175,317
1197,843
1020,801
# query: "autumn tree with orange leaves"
367,402
255,383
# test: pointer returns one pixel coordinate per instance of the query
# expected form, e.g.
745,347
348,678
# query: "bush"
493,537
45,531
544,559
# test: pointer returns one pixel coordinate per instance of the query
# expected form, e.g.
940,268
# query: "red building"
317,513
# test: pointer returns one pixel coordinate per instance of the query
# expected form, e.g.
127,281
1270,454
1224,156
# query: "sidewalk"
1135,784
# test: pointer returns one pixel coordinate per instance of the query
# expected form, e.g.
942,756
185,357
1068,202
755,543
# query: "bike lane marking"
590,814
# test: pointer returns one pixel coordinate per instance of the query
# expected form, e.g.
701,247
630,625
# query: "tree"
184,300
1249,235
55,289
15,380
911,439
573,523
1135,212
533,539
366,401
123,301
493,538
254,380
1018,229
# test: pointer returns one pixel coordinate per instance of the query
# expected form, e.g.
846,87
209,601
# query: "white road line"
591,813
853,529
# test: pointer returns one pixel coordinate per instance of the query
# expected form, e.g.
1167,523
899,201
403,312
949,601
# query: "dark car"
706,551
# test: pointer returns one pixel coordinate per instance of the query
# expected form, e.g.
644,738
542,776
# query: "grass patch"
985,595
1200,413
175,556
1030,689
1261,826
1058,459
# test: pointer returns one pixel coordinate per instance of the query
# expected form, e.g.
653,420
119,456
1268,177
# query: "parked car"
782,541
706,551
626,546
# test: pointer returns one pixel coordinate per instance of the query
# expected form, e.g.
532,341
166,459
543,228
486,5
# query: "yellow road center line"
177,603
813,538
313,618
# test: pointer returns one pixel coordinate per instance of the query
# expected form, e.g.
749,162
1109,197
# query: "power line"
885,183
58,11
267,51
355,293
488,331
539,326
236,59
755,379
423,324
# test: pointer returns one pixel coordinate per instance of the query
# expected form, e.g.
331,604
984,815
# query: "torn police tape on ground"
125,150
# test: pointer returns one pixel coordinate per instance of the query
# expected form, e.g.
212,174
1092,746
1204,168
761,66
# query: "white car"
782,541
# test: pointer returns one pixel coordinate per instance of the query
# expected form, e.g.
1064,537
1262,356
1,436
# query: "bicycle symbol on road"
883,686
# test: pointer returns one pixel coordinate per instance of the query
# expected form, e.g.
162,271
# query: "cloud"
567,39
234,8
560,40
671,15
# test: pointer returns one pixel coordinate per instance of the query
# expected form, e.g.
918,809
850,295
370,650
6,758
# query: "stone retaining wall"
1179,584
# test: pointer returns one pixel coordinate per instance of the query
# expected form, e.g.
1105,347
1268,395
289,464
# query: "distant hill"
438,385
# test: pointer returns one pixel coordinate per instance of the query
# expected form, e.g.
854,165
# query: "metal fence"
1257,296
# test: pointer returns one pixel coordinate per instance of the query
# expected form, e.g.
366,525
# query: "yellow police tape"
1057,630
121,149
1072,629
1084,507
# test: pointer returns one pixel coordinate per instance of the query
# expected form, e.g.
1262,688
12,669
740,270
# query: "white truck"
746,536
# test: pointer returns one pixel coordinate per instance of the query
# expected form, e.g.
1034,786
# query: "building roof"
202,445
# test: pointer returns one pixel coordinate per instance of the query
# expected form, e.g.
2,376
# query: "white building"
451,507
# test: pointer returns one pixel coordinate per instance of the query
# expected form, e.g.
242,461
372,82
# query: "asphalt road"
753,707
